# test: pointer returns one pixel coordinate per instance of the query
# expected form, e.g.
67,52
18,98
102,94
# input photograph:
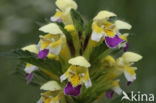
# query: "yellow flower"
50,96
31,48
51,28
63,14
126,61
30,68
55,41
77,73
50,86
65,5
71,29
122,25
103,27
80,61
103,15
116,87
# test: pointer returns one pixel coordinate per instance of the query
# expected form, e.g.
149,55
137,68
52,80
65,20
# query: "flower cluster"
87,53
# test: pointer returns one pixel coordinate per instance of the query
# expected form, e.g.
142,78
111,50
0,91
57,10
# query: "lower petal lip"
43,53
113,42
70,90
109,94
29,77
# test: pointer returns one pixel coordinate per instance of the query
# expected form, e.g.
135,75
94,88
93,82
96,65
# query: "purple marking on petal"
59,20
112,42
43,53
126,47
29,77
129,83
70,90
109,94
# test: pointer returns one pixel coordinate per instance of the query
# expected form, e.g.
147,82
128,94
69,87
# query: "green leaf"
49,65
67,34
68,37
77,20
88,28
97,51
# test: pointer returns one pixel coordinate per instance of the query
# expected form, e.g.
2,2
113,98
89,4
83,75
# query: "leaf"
88,28
68,37
67,34
86,34
49,65
77,20
97,51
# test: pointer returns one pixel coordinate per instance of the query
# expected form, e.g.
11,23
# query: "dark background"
19,21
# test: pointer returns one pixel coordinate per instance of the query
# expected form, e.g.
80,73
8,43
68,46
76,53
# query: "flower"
50,86
102,27
78,52
113,42
31,48
63,13
52,41
109,94
70,90
29,69
126,62
77,74
49,96
43,53
116,87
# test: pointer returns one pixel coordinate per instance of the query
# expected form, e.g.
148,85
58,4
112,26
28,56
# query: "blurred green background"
19,27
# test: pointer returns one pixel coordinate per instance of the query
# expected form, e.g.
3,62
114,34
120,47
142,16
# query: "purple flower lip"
129,83
113,42
43,53
73,91
59,20
126,47
29,77
109,94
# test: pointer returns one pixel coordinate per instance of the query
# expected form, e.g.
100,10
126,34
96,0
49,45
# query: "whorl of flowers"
77,62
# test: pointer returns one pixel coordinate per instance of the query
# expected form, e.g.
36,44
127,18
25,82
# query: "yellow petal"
50,86
109,33
116,83
66,4
45,44
31,48
110,59
123,37
130,70
122,25
131,57
103,15
48,100
58,13
97,29
75,80
79,60
51,28
70,28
